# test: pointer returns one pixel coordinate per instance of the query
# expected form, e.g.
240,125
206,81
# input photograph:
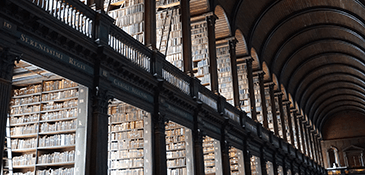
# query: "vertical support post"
97,153
251,88
186,36
309,143
290,124
282,117
212,54
150,24
198,144
273,108
296,128
158,132
300,123
232,51
263,162
263,99
225,153
7,58
247,158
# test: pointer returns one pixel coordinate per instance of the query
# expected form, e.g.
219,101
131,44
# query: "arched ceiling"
315,49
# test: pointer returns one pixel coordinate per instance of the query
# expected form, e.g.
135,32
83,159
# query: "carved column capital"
8,57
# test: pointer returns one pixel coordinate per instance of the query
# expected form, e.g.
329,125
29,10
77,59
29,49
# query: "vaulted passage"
182,87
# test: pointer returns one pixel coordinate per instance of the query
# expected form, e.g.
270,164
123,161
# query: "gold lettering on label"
22,37
7,25
79,65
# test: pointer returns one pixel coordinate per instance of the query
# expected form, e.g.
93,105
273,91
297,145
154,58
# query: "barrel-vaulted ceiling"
315,49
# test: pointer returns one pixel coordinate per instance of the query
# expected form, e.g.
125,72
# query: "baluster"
83,23
77,20
55,8
70,10
58,9
74,17
47,5
42,6
50,4
62,9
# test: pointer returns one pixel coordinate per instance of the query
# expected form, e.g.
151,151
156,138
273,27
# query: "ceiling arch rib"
222,27
329,87
330,76
337,104
317,48
241,47
295,14
338,94
330,114
334,81
298,45
297,82
288,29
321,61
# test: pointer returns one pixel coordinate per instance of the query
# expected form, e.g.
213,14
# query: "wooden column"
212,54
263,100
309,143
251,88
300,123
198,141
296,128
158,133
232,51
273,108
263,162
186,36
150,24
225,149
97,154
282,117
247,158
97,133
7,58
290,124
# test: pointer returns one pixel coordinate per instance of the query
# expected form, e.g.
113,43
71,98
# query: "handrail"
73,13
132,49
208,97
176,77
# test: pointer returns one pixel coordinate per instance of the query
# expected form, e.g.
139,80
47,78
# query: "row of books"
126,163
127,126
58,126
122,154
59,171
126,144
66,104
57,157
25,100
60,95
24,119
24,109
23,143
20,130
138,171
176,162
131,134
175,154
25,159
58,84
64,114
175,138
57,140
27,90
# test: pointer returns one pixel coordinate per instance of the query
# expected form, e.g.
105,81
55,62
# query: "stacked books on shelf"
211,151
258,103
236,161
270,111
224,72
200,51
255,165
43,128
128,15
243,89
178,149
168,31
126,147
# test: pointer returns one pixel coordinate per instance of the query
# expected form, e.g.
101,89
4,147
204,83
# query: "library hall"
182,87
